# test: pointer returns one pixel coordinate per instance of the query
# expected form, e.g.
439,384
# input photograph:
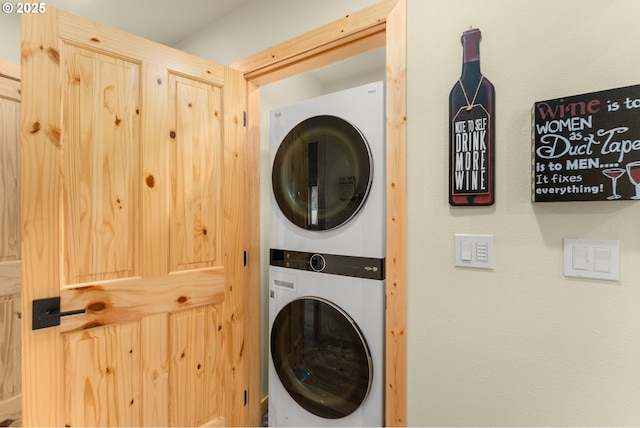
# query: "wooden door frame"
380,25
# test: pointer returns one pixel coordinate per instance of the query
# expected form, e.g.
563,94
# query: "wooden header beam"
353,34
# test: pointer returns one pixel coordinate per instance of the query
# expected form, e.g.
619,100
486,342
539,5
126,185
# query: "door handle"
46,313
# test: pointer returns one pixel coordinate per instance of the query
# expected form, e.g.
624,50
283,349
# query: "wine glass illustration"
633,169
613,174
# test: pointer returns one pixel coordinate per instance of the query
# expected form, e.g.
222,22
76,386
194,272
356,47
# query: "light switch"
580,258
592,259
465,251
475,251
602,259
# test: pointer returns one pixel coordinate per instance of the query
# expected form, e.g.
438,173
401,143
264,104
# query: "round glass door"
321,357
322,173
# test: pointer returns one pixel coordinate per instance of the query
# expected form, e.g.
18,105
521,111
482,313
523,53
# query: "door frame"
380,25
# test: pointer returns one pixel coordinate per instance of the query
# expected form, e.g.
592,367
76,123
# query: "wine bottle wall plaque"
587,147
471,130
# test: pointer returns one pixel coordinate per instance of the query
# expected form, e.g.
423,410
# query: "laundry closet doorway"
381,25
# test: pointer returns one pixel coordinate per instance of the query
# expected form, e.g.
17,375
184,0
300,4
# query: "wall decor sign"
587,147
471,130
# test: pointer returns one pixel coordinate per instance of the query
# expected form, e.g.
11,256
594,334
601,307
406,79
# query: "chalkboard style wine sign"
471,130
587,147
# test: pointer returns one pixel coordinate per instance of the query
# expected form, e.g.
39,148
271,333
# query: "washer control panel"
359,267
317,262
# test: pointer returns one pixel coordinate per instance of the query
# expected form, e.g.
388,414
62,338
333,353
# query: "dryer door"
322,173
321,357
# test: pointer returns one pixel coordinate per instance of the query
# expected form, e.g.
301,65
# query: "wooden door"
132,212
10,374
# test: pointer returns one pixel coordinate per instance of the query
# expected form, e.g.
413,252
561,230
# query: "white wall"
9,38
522,344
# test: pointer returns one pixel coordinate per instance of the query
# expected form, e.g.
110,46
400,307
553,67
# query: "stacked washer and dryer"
327,267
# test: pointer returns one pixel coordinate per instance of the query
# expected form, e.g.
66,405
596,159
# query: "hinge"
46,313
244,119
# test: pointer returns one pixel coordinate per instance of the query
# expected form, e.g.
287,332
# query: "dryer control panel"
359,267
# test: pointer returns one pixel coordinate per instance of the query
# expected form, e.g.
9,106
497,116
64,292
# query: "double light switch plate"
585,258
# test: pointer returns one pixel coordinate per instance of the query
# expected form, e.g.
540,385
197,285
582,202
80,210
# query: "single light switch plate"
585,258
475,251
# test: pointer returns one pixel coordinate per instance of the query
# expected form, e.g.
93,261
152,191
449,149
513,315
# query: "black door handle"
46,313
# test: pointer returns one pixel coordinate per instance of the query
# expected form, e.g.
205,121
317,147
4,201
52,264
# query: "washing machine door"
321,357
322,173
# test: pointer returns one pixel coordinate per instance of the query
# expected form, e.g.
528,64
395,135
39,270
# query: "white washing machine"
326,360
328,174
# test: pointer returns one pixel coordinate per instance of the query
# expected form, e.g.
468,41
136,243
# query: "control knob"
317,263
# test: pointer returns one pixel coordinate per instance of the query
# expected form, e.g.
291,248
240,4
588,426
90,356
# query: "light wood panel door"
10,374
132,213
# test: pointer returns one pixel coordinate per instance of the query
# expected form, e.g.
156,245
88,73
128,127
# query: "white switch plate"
595,259
474,251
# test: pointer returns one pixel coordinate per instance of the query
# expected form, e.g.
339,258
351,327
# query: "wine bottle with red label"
471,130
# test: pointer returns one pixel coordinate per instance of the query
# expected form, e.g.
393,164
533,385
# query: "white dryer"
328,174
326,360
